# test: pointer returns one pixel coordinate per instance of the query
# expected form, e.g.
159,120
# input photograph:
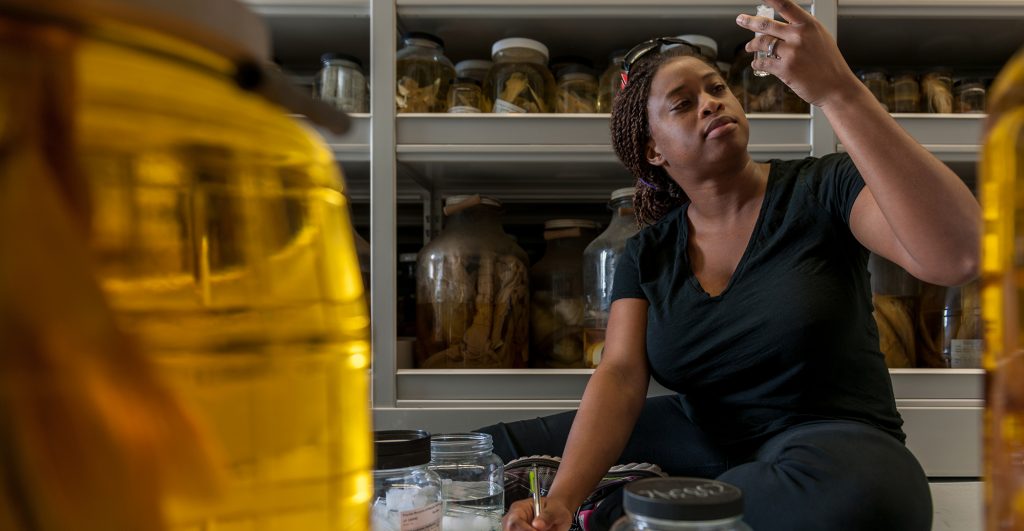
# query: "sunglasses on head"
640,50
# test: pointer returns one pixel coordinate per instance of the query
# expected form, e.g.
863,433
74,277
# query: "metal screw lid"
683,499
400,448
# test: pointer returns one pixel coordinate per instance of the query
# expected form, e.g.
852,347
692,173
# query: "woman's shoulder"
668,227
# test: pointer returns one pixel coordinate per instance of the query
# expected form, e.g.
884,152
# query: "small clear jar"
519,81
599,261
476,69
906,92
465,96
969,96
681,504
610,83
877,81
937,91
556,295
341,83
576,91
424,74
406,493
472,480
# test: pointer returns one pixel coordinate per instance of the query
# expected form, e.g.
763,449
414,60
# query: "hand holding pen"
537,513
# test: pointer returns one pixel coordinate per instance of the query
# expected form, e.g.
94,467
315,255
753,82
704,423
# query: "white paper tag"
426,518
965,353
504,106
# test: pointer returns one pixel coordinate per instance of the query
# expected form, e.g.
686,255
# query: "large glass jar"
877,81
962,341
906,92
343,84
424,74
610,83
599,261
576,91
181,292
1002,265
681,504
472,292
472,480
937,91
556,295
895,296
519,81
407,494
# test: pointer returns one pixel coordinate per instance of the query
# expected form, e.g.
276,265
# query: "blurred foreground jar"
599,261
1002,264
406,492
472,292
556,295
681,504
472,480
181,293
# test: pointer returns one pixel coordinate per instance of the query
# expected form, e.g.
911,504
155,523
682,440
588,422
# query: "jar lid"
400,448
554,224
568,69
519,42
706,44
460,443
623,192
408,257
423,36
686,499
484,200
226,27
340,58
473,64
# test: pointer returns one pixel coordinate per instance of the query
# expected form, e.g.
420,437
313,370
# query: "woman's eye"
681,106
718,89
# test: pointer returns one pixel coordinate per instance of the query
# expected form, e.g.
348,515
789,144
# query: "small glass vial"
766,12
937,91
906,92
465,96
681,504
610,83
406,493
519,81
969,96
576,91
424,74
472,480
599,261
341,83
877,81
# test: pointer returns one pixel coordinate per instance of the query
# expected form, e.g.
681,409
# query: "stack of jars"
933,91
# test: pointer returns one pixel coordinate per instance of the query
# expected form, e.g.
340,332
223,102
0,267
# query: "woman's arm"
611,404
914,211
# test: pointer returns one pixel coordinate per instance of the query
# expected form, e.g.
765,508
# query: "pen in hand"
535,490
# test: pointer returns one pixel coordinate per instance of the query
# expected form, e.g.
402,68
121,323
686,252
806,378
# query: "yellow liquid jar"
1002,199
215,231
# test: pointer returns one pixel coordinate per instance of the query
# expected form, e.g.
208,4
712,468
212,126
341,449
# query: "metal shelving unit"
393,159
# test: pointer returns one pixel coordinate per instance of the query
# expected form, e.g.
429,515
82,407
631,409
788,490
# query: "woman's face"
696,122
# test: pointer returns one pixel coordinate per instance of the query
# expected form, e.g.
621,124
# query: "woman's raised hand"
803,54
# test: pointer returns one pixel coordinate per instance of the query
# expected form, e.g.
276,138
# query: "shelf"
954,138
303,30
958,9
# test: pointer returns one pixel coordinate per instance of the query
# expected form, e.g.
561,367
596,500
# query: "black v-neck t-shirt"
791,339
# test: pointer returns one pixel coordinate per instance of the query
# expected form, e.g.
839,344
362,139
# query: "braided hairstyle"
656,193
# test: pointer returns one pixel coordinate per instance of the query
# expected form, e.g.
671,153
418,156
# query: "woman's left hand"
805,57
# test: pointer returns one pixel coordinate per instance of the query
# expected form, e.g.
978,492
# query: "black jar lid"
683,499
401,448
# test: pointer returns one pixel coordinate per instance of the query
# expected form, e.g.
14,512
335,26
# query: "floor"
958,505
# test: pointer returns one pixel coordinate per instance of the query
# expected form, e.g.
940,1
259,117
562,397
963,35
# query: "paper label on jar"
501,105
463,108
427,518
965,353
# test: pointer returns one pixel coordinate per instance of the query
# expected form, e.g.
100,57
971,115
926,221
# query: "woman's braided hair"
656,193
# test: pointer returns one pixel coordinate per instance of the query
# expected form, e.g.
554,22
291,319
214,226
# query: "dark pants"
817,476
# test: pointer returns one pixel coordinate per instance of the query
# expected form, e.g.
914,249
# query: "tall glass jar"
610,83
472,480
424,74
906,92
1002,264
519,81
895,296
407,494
342,83
556,295
472,292
681,504
962,343
937,91
576,91
599,261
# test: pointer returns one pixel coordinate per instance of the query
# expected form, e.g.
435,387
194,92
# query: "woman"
748,294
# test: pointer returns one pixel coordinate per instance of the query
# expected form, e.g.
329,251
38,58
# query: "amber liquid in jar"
519,87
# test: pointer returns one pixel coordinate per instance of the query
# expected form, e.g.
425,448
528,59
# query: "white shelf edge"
311,8
576,9
931,8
